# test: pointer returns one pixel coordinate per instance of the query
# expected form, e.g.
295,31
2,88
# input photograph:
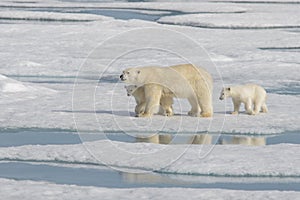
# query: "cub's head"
226,92
130,75
130,89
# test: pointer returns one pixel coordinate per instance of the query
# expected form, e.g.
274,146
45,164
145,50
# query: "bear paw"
193,114
206,115
169,114
234,112
144,115
251,112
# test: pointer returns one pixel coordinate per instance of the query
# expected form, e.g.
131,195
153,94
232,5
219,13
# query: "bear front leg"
152,96
236,105
195,110
248,107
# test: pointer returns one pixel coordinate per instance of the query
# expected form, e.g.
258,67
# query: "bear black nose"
121,77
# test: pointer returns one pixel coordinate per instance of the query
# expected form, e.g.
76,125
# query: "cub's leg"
257,108
264,108
166,105
140,108
236,105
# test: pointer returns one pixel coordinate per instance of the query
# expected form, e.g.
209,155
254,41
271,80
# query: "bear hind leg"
195,110
264,108
248,107
205,103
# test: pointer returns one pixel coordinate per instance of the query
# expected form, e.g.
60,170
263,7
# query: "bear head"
130,75
226,92
130,89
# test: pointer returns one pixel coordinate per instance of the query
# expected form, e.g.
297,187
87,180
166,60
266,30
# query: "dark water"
106,177
48,136
97,175
291,88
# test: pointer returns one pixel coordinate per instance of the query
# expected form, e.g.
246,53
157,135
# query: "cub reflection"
245,140
173,139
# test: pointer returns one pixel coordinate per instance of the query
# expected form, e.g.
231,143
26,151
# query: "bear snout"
221,98
122,77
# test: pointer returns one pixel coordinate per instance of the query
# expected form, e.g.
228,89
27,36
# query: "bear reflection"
173,139
245,140
201,139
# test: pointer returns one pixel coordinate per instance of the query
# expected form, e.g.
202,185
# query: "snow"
15,91
216,160
237,21
8,85
11,189
56,54
60,71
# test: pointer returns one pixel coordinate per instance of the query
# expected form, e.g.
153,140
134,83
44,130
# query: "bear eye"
127,72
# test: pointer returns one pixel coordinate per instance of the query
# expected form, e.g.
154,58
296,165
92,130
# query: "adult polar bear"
181,81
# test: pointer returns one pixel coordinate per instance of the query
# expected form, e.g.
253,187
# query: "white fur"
138,93
181,81
253,96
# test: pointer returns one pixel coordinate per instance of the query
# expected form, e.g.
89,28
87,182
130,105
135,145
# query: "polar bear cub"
139,96
138,93
250,94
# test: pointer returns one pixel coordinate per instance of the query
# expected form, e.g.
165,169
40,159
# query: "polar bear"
249,94
183,81
138,93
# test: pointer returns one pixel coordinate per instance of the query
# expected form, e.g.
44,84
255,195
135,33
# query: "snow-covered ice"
59,69
229,160
11,189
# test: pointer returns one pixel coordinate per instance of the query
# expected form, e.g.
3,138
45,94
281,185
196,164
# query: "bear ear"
138,71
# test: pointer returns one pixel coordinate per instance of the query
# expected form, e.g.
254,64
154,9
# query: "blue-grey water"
102,176
106,177
49,137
